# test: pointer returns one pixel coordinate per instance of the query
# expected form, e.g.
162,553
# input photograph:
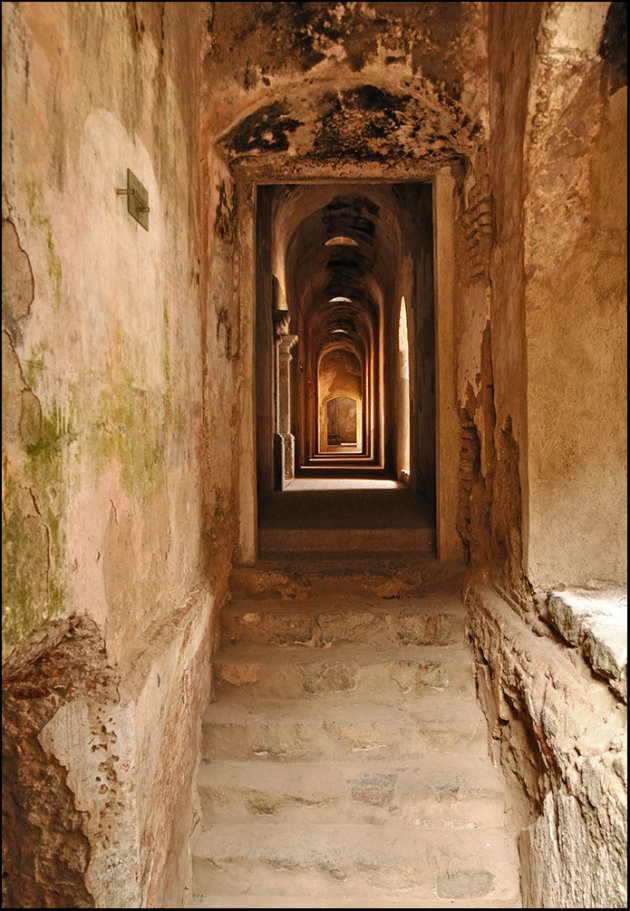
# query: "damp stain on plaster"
125,424
128,426
28,593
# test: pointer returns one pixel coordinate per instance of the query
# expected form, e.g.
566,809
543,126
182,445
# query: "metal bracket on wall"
137,200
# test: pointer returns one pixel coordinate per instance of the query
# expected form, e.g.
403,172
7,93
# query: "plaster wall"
540,318
575,264
113,534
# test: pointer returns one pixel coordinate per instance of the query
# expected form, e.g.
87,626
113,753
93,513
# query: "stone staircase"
344,759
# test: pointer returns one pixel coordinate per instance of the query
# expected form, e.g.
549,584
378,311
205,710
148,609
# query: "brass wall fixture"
137,200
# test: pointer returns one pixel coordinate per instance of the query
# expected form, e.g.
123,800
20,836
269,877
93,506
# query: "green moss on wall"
32,587
33,369
42,222
129,425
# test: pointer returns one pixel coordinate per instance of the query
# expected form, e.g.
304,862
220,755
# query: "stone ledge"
595,622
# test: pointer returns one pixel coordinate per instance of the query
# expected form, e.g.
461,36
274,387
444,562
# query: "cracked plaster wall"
114,529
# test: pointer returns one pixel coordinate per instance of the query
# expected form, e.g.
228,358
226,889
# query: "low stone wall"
558,728
99,765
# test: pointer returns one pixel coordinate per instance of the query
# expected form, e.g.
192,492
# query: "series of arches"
347,295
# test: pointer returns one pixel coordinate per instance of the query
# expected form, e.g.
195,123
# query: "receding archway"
339,401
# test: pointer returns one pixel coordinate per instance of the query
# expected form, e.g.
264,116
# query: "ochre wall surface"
113,536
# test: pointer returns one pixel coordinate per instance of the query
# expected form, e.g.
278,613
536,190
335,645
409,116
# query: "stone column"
284,441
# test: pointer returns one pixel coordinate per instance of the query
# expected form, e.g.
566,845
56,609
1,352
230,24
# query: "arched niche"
340,380
342,428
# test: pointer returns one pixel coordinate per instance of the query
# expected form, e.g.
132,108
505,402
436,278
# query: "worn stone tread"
242,708
244,727
267,900
324,622
358,860
293,671
340,576
453,791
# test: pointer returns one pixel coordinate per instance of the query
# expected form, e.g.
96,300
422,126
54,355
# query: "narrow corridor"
314,454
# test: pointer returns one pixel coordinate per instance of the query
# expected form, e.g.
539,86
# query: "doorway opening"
345,345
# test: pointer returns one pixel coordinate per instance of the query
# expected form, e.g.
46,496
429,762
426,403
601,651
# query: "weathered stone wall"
116,511
560,736
490,344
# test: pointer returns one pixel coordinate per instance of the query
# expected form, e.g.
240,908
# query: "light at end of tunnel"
339,300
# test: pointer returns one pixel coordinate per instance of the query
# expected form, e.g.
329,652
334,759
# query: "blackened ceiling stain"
289,56
613,48
263,131
351,122
298,36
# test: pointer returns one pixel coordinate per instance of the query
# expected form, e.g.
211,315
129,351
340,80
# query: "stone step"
290,672
375,575
346,540
239,728
344,758
440,791
256,900
320,622
355,862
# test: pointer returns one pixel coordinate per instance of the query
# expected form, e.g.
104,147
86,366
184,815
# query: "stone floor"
346,514
344,757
